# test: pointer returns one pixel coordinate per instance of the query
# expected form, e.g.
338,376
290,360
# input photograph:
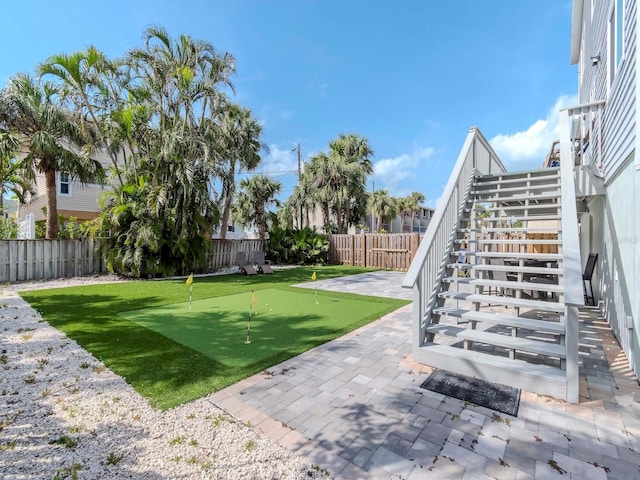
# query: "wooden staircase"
499,313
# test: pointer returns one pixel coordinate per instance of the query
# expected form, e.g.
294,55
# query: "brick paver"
354,407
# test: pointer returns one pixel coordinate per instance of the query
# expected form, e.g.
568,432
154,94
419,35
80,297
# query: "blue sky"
412,76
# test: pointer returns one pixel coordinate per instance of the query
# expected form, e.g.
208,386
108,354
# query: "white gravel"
63,414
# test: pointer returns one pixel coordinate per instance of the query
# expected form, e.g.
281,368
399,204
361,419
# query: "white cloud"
388,173
279,160
532,145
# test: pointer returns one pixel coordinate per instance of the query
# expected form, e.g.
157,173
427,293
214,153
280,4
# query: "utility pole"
373,190
299,177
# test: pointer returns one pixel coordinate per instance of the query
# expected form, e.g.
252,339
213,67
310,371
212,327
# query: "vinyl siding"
620,110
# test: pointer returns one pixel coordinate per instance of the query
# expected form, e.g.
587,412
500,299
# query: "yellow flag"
254,301
190,280
313,277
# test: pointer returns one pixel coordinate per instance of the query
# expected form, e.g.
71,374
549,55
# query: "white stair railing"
428,267
571,262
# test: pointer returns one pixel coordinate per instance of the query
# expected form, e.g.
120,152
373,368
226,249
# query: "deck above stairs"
498,312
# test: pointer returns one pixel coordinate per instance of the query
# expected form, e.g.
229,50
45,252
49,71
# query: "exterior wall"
621,261
616,84
82,203
610,228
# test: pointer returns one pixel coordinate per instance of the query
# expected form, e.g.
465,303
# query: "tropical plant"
156,113
297,246
252,203
48,138
14,174
8,228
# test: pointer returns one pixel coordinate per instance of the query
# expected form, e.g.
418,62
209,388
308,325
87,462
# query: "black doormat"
497,397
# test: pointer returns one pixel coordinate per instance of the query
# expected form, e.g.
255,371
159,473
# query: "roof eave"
576,30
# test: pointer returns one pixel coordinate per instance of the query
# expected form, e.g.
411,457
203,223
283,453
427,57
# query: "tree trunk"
226,191
52,203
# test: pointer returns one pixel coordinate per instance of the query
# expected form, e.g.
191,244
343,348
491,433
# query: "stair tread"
515,255
480,358
500,340
518,269
510,320
501,300
494,197
548,287
487,282
524,218
502,319
519,188
521,241
508,230
518,373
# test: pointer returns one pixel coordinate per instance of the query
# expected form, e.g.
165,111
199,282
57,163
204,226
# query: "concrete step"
541,379
499,340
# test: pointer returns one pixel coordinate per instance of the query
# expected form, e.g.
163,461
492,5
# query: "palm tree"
161,213
251,205
383,206
89,87
239,144
337,180
413,206
48,139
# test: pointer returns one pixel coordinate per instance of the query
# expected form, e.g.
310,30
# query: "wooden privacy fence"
393,251
22,260
223,252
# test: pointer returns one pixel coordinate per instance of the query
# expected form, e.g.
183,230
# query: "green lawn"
145,332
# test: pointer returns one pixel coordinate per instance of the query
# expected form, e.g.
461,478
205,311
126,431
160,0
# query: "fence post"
364,250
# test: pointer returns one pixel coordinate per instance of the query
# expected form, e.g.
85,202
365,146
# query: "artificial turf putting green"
168,372
285,320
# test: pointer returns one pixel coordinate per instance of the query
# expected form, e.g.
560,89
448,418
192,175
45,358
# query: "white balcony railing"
586,126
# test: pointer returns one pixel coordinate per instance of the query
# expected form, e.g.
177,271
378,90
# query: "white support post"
572,366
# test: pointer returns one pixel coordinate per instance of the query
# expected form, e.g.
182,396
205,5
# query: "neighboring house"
465,271
400,224
238,232
74,199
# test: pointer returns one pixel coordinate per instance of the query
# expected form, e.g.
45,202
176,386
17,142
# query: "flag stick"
316,290
190,290
248,340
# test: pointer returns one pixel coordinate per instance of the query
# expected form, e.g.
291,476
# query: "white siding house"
74,199
604,45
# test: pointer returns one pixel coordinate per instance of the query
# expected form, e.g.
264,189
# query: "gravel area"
63,414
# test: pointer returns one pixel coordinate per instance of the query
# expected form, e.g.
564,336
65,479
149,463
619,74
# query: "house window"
64,185
231,228
619,31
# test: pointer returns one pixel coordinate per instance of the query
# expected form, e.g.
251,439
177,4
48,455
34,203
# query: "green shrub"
297,246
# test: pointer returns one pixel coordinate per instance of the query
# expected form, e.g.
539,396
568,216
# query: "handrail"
446,213
572,263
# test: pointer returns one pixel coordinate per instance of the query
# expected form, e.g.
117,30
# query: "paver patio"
353,406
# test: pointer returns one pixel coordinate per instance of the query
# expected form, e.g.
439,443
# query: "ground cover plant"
144,332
